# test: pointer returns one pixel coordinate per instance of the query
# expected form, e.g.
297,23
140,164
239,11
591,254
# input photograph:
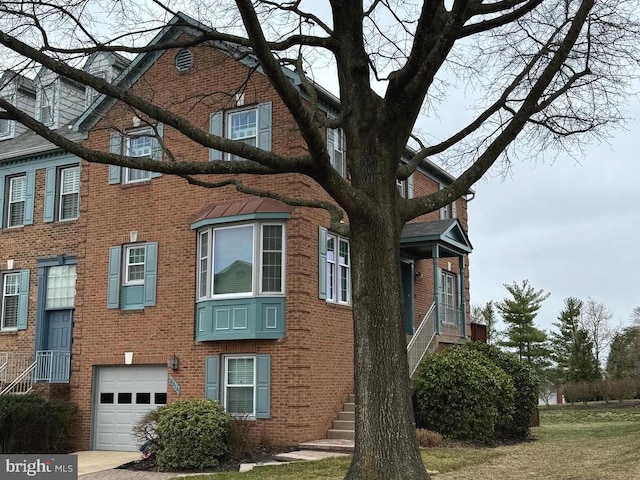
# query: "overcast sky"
570,229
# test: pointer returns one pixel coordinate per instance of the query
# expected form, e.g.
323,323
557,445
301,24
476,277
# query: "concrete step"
331,445
352,398
344,425
341,434
349,407
307,455
347,416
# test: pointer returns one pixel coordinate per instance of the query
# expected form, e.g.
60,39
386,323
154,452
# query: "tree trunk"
385,447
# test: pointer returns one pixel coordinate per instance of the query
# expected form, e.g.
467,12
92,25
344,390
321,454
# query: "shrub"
461,394
31,424
525,383
192,434
428,438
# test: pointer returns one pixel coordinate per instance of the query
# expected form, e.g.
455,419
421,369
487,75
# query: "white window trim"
226,384
126,264
208,287
338,139
227,128
127,137
10,202
4,296
336,286
77,192
257,257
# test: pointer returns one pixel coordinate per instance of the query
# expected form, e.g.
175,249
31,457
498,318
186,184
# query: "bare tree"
595,320
547,72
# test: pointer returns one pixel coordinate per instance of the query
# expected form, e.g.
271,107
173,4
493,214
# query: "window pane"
344,270
243,124
240,400
240,371
125,397
143,398
135,264
4,126
61,286
272,258
10,292
233,260
331,268
203,253
160,398
135,175
106,398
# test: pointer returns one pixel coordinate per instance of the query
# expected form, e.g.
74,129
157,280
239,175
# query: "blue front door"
55,364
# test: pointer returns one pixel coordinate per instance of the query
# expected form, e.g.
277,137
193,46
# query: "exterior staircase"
344,428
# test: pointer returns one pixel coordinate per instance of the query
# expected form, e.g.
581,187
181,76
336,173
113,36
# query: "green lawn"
572,443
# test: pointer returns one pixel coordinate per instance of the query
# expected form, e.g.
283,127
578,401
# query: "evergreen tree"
519,313
583,365
624,356
563,340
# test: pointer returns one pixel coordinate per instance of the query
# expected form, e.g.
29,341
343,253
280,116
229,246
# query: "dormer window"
46,105
5,127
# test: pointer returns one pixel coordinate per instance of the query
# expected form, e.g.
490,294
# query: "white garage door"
125,394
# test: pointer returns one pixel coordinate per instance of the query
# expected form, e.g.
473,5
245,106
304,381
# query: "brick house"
183,291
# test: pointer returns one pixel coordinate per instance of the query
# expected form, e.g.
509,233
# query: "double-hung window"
241,260
405,187
335,268
242,125
134,264
69,199
240,385
337,150
10,300
138,146
17,201
448,296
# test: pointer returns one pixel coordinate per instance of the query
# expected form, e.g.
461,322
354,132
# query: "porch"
19,372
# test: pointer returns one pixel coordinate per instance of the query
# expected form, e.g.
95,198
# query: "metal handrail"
417,341
19,380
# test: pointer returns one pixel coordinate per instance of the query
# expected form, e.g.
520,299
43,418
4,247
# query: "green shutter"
115,146
29,197
113,284
263,386
156,148
212,378
23,300
150,274
3,180
50,194
322,263
215,128
264,126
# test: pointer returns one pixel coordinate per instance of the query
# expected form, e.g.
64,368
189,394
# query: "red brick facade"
311,367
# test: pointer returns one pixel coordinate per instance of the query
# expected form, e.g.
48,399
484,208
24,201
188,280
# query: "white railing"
23,383
4,361
13,364
52,366
421,340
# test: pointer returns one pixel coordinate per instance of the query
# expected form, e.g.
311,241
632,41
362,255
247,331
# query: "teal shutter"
23,300
263,386
264,126
3,180
150,274
50,194
115,146
410,186
156,148
215,128
322,263
29,197
113,284
212,378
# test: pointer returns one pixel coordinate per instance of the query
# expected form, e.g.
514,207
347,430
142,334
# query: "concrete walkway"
102,465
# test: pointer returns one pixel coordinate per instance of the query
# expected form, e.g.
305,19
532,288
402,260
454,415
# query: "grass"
572,443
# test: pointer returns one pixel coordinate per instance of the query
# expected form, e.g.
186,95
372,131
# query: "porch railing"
23,383
450,320
52,366
421,340
13,364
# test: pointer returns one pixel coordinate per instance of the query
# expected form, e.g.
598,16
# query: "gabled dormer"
19,91
104,65
58,100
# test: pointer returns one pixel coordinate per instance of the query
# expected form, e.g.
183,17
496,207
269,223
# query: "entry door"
406,271
59,343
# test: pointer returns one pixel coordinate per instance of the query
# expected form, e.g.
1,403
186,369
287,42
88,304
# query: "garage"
124,394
